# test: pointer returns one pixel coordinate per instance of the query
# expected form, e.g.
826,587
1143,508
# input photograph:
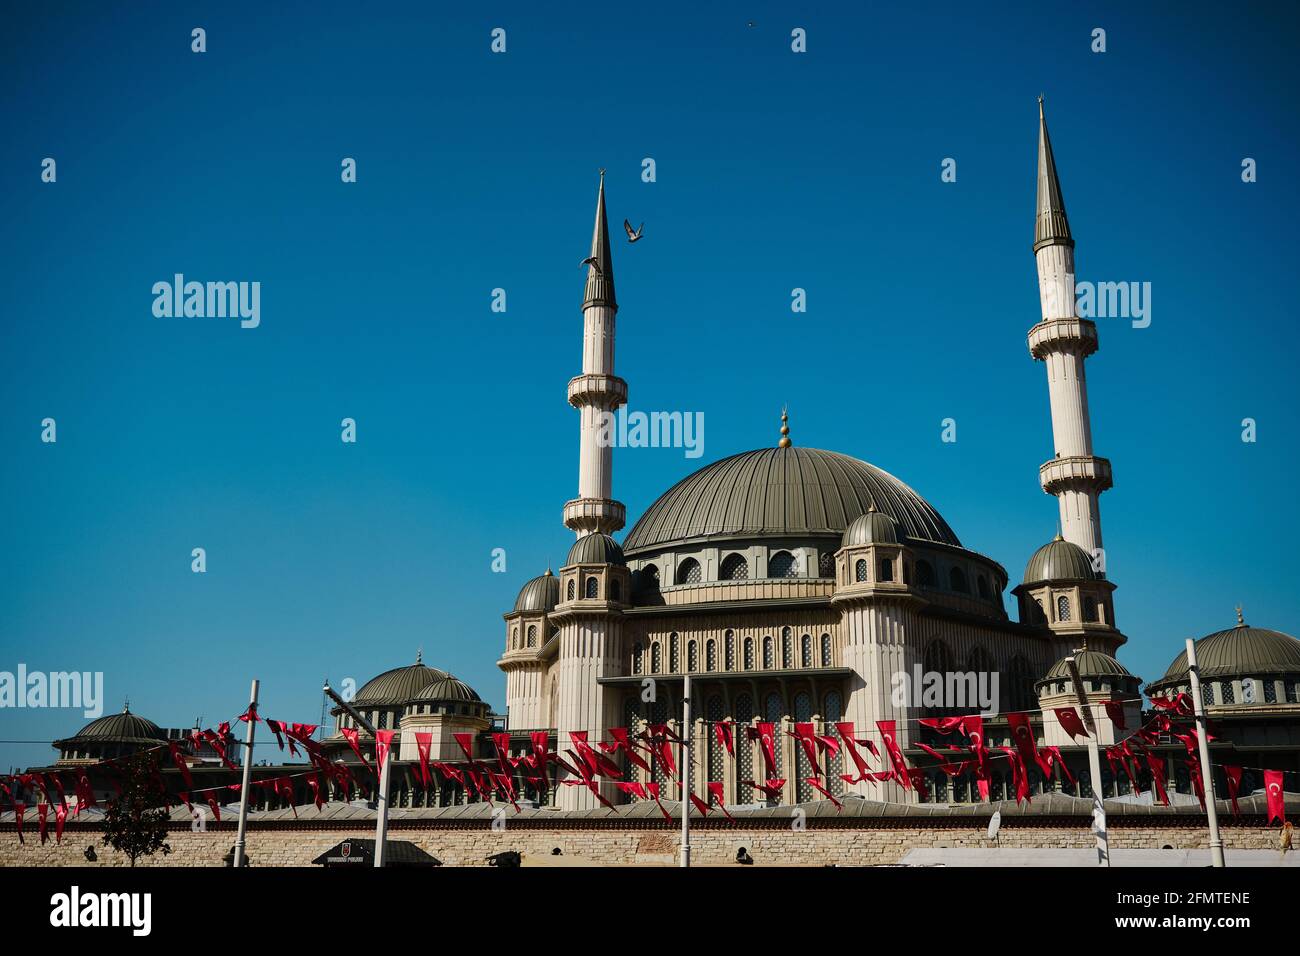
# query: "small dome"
1059,560
1090,664
874,527
542,593
398,685
1240,651
125,726
448,688
595,549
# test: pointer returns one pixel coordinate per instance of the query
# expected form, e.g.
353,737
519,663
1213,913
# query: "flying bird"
594,263
633,236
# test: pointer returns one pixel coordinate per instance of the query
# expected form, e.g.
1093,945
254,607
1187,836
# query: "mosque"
793,583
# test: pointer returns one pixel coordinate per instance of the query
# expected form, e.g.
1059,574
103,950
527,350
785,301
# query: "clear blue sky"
476,170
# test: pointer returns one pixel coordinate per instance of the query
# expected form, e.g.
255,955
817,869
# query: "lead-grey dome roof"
542,593
398,685
1059,560
448,688
595,549
1240,651
780,492
874,527
122,727
1090,664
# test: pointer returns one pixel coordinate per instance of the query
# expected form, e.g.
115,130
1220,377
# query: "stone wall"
857,845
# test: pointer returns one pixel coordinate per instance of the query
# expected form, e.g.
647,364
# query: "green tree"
136,822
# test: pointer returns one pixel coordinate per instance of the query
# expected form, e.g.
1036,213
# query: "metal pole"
687,760
1207,769
1094,767
248,776
381,800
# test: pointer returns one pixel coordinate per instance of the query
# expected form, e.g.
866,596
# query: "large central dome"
782,491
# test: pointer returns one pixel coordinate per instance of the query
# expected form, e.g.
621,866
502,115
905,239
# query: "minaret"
1062,341
597,392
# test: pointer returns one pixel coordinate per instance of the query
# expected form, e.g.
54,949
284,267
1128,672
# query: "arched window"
982,586
924,574
802,713
767,653
714,711
729,651
832,711
860,570
650,577
781,565
787,648
1228,691
826,564
514,638
674,654
749,653
773,711
938,657
957,581
615,592
532,635
886,569
1062,608
734,568
571,589
711,655
593,588
1207,694
1090,609
688,572
744,711
826,650
636,658
805,651
692,656
979,661
1020,692
656,658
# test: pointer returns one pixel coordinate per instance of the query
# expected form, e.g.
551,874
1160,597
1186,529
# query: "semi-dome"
594,549
1090,664
447,688
1240,651
542,593
1059,560
122,727
874,527
399,684
781,492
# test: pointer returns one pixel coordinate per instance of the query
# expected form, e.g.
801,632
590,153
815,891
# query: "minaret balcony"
603,391
1063,335
1089,471
585,515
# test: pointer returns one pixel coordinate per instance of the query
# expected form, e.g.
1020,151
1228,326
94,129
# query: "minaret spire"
600,271
1062,341
1051,227
597,392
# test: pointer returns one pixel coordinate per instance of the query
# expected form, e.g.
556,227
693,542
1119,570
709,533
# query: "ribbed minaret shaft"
1062,341
597,392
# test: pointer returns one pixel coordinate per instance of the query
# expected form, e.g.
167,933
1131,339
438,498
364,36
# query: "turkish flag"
1234,786
623,742
767,740
889,736
1019,775
806,734
60,816
423,743
944,725
19,810
653,790
715,794
723,731
1276,801
501,743
353,737
632,787
1056,758
216,808
466,742
845,730
384,743
817,785
772,788
313,781
1115,711
700,805
1157,766
42,814
1070,722
1180,704
1022,734
218,745
180,763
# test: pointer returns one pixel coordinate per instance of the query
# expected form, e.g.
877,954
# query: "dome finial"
419,655
1241,621
785,430
126,705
